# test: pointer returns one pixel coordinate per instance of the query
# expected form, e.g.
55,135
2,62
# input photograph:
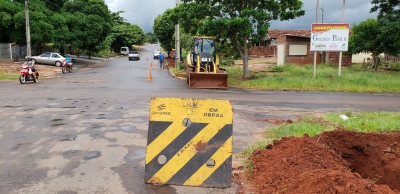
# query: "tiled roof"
274,33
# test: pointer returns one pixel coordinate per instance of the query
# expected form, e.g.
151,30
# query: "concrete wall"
359,58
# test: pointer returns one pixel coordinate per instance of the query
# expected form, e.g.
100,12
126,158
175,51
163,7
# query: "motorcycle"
66,67
26,76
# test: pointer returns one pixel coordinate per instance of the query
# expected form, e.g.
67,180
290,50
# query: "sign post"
329,37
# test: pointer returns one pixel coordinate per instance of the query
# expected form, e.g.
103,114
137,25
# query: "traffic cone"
149,77
151,64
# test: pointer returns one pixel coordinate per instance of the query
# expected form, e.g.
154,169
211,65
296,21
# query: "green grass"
300,78
368,122
8,76
377,122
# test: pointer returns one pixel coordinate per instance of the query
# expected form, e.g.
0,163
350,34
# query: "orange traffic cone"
149,77
151,64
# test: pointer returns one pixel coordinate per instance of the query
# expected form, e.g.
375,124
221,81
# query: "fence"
17,52
5,51
391,58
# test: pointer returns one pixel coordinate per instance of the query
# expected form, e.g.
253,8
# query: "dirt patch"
275,121
15,68
170,62
340,161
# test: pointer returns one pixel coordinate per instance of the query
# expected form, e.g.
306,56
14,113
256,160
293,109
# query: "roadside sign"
189,142
329,37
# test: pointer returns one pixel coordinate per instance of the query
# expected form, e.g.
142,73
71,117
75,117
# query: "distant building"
293,47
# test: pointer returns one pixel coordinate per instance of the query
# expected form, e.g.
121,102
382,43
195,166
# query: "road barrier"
189,142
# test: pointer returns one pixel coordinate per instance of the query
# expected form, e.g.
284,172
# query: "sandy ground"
15,68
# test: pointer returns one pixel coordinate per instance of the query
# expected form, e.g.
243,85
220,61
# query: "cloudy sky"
143,12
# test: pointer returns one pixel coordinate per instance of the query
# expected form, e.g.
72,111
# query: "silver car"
49,58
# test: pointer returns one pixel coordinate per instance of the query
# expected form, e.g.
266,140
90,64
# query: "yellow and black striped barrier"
189,142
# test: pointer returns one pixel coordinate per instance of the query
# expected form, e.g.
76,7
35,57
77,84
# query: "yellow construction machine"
202,67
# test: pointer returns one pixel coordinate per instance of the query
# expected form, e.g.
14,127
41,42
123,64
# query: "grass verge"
377,122
300,78
8,76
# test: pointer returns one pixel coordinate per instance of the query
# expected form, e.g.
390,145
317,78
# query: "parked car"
124,50
72,58
49,58
156,53
134,55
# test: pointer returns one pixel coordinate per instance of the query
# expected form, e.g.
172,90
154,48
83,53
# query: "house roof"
275,33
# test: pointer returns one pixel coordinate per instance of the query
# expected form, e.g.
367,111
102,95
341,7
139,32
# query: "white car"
134,55
156,53
49,58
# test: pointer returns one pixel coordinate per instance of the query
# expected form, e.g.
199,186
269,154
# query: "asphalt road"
86,132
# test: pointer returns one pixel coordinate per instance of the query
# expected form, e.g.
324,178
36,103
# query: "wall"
359,58
265,51
301,59
333,58
329,57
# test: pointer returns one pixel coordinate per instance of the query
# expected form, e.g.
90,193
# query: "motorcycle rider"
68,58
31,65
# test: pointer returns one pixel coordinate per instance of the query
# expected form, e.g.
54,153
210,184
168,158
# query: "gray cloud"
355,12
144,12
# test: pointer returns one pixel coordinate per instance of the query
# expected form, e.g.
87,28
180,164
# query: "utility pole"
340,54
28,32
343,11
177,43
315,52
316,12
322,10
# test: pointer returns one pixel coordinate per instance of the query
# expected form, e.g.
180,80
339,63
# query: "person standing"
161,58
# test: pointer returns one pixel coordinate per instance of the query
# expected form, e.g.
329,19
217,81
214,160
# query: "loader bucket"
208,80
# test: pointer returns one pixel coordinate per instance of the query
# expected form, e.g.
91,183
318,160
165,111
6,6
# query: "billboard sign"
329,37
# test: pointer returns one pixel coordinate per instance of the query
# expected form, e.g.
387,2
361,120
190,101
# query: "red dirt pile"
333,162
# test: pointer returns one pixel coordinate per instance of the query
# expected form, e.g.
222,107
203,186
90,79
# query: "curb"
172,74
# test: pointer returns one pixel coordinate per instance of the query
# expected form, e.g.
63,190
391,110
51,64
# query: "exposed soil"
170,62
15,68
339,161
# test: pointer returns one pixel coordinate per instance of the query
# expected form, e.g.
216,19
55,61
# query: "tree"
54,5
386,7
389,24
123,34
13,23
186,41
7,26
164,30
136,35
244,23
151,38
366,37
87,24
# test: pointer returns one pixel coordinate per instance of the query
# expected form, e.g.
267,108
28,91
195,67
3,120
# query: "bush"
226,62
104,54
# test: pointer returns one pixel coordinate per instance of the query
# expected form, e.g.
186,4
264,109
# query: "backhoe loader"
202,67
